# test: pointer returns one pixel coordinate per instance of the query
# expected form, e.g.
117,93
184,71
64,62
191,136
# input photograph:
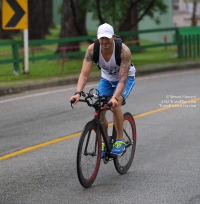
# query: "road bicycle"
90,143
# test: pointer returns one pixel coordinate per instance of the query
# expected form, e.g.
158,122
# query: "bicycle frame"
100,128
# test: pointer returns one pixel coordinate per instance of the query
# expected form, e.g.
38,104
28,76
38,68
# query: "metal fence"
190,45
16,59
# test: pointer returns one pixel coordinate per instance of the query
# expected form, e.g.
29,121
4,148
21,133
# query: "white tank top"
110,70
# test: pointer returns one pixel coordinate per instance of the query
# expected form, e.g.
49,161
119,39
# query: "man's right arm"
85,72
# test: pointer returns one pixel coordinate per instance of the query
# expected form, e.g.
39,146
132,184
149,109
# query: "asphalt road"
166,167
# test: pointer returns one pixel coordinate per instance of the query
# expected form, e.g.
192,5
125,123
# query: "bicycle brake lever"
72,101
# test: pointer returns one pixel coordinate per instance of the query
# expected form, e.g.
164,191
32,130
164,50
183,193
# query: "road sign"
14,14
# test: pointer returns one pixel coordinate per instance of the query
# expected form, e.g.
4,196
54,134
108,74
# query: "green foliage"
158,8
113,12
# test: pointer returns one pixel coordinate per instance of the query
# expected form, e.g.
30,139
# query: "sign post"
26,70
15,16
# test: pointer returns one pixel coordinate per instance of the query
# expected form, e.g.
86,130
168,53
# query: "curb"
21,88
27,87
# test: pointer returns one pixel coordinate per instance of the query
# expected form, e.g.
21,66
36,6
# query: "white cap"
105,30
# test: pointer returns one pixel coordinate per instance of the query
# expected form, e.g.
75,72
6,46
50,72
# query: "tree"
40,18
136,12
130,20
194,19
48,14
36,20
125,15
120,13
72,24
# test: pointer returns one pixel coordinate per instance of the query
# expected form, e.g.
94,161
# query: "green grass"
44,70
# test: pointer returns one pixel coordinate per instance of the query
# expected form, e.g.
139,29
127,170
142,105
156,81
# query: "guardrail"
15,45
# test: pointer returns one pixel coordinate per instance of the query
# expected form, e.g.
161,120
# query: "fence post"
190,46
178,40
194,47
186,45
15,57
181,45
197,44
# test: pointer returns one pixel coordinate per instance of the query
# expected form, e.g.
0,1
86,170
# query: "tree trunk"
130,22
40,18
194,19
36,20
130,19
73,23
48,15
79,17
99,12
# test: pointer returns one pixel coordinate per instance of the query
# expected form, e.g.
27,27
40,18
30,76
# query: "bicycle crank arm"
91,154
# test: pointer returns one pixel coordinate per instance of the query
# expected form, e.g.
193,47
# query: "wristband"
116,99
77,92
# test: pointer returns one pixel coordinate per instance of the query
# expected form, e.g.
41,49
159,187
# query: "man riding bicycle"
117,79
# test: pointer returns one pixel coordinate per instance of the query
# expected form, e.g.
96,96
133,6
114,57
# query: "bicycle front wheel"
122,163
88,155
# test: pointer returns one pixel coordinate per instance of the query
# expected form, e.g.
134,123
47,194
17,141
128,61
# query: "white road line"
92,85
44,93
167,75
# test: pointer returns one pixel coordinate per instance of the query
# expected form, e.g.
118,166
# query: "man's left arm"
123,71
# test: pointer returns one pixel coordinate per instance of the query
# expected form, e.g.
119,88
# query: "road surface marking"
92,85
43,93
78,133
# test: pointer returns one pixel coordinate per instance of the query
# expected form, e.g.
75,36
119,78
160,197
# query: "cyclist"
115,79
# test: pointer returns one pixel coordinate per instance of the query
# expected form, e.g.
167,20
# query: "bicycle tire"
88,155
123,163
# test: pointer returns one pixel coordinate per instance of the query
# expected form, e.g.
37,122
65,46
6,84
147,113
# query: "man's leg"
105,88
117,112
118,119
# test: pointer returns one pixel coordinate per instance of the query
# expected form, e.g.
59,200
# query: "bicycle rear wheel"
88,155
122,163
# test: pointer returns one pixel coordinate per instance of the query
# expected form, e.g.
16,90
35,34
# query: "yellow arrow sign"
14,14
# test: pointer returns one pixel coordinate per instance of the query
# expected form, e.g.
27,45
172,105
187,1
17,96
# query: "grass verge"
46,70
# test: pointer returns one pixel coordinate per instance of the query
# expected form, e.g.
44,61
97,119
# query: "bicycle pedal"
113,155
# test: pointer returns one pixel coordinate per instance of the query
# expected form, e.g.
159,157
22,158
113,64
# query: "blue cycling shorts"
106,87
